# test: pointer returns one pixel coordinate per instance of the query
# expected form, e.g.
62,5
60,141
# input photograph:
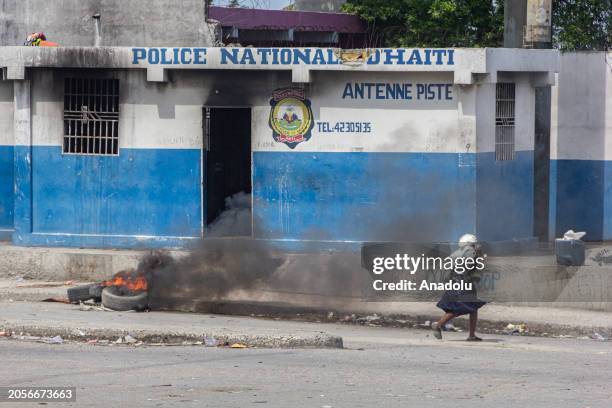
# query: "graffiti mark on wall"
290,117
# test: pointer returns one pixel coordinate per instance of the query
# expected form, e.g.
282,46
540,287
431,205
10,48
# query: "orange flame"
137,284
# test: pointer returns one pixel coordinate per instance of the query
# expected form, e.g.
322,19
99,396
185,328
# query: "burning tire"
113,298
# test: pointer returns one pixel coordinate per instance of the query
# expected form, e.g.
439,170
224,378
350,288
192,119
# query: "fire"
136,284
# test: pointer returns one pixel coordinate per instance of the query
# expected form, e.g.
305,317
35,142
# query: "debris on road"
129,339
451,327
597,336
516,328
238,345
210,342
54,340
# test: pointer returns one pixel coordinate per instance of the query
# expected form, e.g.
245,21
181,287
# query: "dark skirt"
460,302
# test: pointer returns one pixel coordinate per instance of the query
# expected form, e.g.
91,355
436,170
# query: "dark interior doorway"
227,165
542,163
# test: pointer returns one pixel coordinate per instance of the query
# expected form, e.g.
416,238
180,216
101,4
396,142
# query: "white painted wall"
524,111
581,127
169,115
6,113
397,125
153,115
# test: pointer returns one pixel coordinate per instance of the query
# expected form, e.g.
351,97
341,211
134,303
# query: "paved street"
379,367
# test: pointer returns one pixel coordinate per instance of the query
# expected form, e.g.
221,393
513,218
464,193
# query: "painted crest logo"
290,117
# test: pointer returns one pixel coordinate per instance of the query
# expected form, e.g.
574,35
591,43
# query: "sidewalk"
19,298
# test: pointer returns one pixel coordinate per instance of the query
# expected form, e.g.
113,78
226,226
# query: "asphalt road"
379,368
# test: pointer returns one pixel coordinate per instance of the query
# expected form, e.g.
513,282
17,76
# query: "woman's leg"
437,327
473,322
446,318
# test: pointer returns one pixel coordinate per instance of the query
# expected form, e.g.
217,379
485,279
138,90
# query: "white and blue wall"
424,170
581,146
505,188
412,177
148,195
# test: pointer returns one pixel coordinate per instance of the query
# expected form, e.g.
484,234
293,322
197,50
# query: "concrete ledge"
69,322
61,264
165,337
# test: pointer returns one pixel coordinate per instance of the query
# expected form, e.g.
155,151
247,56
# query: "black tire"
114,301
80,293
96,292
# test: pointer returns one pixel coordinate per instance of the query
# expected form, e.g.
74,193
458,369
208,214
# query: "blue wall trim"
583,199
363,196
110,200
505,197
7,181
148,198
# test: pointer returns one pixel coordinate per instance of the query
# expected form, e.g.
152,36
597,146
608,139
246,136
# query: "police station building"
125,147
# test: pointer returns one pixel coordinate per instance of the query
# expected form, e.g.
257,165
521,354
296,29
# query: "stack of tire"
110,297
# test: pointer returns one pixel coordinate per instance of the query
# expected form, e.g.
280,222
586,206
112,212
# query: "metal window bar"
91,116
505,103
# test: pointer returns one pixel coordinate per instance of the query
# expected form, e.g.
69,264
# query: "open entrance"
227,171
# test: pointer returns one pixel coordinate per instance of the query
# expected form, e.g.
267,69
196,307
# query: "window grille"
505,121
91,116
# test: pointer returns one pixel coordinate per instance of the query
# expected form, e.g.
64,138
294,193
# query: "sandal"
437,331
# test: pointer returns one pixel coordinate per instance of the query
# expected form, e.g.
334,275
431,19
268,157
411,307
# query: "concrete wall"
6,159
411,178
505,188
148,195
123,23
396,180
425,171
581,146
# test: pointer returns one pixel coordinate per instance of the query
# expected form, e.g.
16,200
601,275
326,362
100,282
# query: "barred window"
91,116
504,121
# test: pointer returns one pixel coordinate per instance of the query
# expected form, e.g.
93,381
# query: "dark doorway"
227,165
542,163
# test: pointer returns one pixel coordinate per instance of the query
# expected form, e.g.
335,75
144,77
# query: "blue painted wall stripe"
363,196
6,190
583,199
505,197
141,192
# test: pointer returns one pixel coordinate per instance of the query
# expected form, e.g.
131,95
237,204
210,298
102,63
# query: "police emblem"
290,117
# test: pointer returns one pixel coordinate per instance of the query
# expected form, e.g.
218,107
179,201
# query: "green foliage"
432,23
582,24
577,24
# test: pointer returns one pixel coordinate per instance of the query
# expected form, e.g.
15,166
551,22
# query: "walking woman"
460,302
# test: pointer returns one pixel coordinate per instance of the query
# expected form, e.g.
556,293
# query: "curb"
152,336
313,314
